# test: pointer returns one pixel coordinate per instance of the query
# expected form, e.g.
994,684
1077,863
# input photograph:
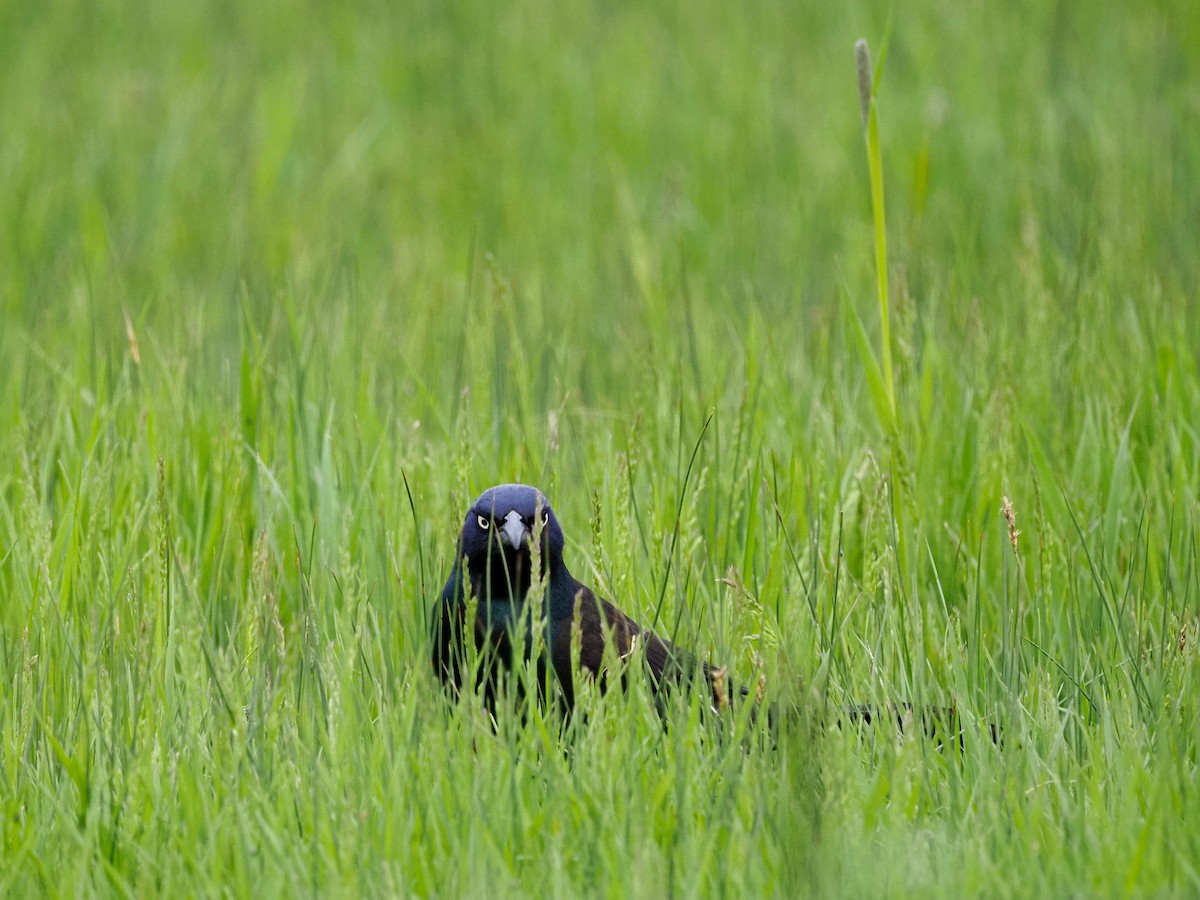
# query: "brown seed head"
718,682
1010,517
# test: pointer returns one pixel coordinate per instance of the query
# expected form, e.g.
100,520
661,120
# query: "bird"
510,541
509,531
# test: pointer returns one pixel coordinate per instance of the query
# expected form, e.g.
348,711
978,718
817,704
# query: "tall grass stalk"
869,109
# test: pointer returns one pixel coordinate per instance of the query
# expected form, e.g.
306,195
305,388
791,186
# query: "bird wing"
448,620
596,621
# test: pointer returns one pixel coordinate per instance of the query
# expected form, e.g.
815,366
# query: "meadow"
284,286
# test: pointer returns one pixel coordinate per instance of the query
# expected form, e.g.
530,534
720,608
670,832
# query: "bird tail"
941,724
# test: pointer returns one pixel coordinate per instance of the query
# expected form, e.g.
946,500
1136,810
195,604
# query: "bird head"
498,535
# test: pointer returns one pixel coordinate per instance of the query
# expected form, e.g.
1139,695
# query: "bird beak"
514,531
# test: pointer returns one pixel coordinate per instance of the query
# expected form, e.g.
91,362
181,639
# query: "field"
284,286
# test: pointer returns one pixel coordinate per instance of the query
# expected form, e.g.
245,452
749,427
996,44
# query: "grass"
283,288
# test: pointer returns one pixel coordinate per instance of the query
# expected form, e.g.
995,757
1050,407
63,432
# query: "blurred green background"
284,285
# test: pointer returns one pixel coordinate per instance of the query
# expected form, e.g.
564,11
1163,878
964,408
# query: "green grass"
266,269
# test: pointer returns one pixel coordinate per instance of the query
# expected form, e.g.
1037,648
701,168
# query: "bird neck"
506,577
562,593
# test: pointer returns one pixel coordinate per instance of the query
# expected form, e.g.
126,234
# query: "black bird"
497,547
511,529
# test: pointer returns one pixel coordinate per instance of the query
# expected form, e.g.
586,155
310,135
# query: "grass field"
283,286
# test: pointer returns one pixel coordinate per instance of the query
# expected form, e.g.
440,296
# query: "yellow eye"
483,522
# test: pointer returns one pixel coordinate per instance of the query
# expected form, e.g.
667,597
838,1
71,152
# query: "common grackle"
497,546
511,529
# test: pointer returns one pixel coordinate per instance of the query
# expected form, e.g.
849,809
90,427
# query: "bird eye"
545,516
483,522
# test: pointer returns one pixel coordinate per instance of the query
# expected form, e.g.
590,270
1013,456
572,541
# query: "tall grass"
869,108
281,290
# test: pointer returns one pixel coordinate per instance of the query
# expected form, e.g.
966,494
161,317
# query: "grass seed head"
1011,518
718,682
862,58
